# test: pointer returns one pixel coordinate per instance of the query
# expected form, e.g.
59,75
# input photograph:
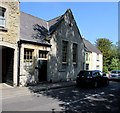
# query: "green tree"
105,46
114,64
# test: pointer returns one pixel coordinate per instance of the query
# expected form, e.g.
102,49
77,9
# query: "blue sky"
94,19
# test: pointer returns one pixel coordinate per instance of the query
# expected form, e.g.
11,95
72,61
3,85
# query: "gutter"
18,74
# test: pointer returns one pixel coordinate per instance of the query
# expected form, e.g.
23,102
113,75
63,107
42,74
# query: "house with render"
93,57
35,50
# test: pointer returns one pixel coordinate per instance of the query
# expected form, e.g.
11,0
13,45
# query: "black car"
91,78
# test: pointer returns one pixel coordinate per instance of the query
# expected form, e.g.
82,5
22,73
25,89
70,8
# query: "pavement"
47,86
8,91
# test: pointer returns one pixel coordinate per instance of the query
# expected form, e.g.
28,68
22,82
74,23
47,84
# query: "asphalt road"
72,99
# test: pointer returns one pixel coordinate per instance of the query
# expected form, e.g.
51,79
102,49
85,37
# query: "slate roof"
30,27
54,23
90,47
34,29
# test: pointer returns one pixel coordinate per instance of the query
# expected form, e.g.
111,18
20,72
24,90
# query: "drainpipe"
18,74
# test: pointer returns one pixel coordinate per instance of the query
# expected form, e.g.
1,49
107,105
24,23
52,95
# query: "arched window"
2,16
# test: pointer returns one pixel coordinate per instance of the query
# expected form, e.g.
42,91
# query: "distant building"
93,57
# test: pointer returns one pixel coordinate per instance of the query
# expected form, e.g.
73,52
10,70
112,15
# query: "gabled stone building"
34,50
49,50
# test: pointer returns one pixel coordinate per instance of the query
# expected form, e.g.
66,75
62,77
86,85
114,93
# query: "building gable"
90,47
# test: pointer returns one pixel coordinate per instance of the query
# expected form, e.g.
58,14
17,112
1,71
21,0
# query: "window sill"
3,29
64,63
74,64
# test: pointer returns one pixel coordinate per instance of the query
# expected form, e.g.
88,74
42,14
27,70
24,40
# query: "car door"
102,78
98,77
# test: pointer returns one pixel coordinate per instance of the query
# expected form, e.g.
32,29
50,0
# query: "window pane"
28,55
2,21
75,53
64,51
43,54
86,56
2,16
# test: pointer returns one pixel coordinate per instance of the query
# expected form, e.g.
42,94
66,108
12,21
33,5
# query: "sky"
94,19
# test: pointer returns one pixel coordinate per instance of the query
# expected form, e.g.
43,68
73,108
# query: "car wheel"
95,84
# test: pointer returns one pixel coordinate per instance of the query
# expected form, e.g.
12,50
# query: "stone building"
49,50
35,50
9,36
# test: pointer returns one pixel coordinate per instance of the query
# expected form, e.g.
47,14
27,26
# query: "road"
95,100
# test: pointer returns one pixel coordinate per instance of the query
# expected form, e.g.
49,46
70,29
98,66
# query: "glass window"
97,67
2,17
75,53
97,57
85,73
64,51
87,66
86,56
43,54
28,55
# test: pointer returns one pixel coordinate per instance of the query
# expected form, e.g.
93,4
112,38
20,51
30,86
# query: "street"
95,100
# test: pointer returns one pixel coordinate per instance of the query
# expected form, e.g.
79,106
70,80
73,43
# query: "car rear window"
85,73
116,72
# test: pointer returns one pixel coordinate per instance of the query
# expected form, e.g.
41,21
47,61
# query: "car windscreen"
85,73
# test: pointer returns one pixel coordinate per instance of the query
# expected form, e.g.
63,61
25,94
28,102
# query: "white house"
93,57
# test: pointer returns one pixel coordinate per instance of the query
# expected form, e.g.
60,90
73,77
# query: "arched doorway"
7,64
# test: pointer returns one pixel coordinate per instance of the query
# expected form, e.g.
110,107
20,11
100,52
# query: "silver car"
115,75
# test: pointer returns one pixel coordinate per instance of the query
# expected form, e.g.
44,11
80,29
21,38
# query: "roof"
90,47
52,24
34,29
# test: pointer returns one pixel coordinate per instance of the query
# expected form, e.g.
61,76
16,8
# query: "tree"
114,64
105,45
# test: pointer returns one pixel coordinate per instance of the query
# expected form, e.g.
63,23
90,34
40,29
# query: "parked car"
91,78
114,75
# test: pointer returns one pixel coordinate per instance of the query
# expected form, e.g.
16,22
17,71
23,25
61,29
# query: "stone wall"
69,33
30,75
10,33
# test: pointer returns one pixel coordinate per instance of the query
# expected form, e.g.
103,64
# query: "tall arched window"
2,16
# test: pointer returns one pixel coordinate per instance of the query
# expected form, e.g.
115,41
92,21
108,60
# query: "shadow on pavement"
90,100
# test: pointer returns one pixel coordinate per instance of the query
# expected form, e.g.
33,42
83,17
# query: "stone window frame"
28,55
75,53
43,54
64,52
3,17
